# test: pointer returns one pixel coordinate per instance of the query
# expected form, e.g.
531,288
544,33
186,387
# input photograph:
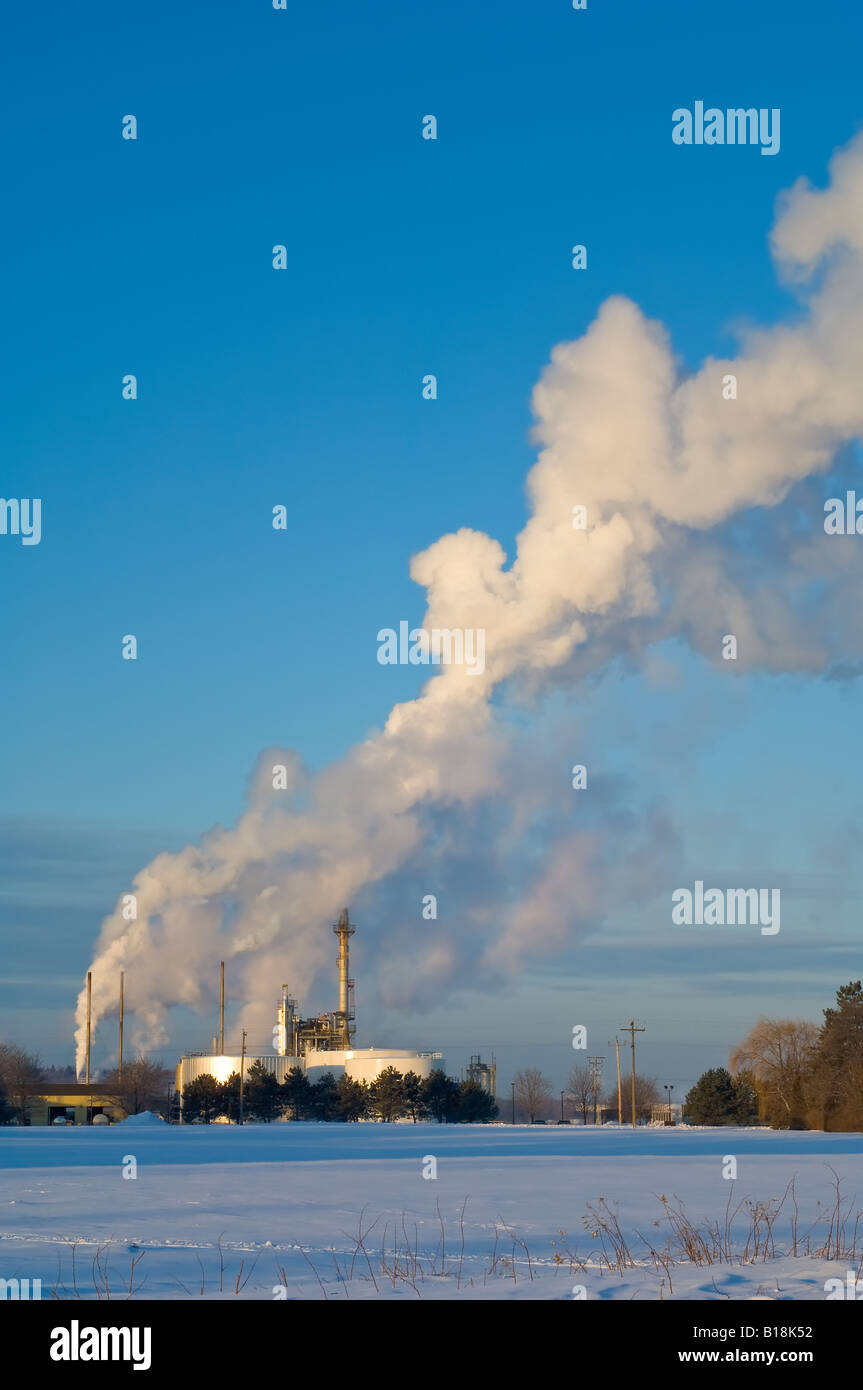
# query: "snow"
287,1202
146,1117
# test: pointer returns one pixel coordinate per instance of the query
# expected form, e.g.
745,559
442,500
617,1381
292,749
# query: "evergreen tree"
352,1099
296,1094
747,1099
714,1099
229,1098
387,1095
201,1099
6,1110
323,1098
836,1081
440,1096
413,1089
262,1099
474,1105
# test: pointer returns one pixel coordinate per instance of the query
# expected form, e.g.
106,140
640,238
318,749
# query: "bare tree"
646,1096
580,1090
20,1074
779,1052
533,1094
143,1086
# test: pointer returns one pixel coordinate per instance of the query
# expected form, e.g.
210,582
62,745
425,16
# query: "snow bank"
146,1117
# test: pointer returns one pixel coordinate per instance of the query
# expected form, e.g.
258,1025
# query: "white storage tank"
222,1066
367,1063
321,1060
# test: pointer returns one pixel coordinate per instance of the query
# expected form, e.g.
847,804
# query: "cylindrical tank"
367,1063
221,1067
362,1064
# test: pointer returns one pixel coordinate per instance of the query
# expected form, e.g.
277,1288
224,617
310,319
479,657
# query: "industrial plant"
316,1045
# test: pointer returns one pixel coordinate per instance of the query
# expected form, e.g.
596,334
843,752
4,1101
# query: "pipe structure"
222,1013
89,998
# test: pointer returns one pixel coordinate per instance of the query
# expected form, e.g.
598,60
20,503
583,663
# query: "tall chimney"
222,1014
120,1051
89,997
344,931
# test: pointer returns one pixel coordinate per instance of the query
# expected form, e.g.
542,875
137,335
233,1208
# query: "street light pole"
561,1106
513,1102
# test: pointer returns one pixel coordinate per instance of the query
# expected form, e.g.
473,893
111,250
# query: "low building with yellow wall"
75,1102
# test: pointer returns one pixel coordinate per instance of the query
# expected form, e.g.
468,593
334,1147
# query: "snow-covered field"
288,1204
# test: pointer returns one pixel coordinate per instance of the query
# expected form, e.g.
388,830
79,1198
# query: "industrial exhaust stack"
345,1013
317,1045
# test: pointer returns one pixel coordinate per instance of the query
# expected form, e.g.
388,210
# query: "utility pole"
89,1000
596,1065
619,1092
120,1050
242,1069
513,1102
632,1030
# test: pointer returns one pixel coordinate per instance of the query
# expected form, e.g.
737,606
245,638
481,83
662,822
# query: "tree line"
533,1099
143,1084
791,1073
391,1096
787,1073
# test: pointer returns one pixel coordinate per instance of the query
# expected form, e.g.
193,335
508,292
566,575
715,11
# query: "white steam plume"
658,460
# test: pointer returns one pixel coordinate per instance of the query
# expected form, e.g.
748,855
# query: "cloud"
667,469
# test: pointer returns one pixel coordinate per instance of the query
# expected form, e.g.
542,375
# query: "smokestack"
89,1000
282,1024
344,931
120,1050
222,1014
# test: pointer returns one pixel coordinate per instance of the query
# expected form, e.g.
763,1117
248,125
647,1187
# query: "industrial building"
316,1045
72,1102
484,1075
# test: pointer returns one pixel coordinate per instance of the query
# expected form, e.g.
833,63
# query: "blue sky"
259,127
